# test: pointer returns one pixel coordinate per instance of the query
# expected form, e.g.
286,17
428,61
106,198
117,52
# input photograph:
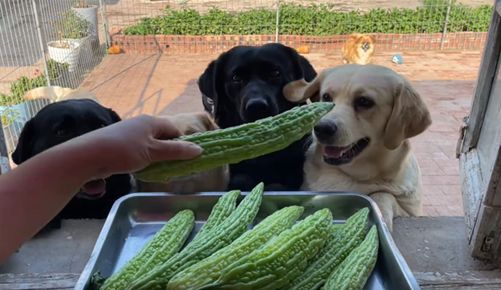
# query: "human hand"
132,144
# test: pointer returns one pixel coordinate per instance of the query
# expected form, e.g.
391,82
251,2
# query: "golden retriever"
358,49
211,180
57,93
362,144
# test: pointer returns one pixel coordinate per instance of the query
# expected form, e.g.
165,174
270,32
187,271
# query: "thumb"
175,150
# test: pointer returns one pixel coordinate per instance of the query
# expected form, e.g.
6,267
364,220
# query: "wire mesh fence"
202,26
43,43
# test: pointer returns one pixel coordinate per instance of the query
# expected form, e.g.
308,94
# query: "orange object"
114,49
304,49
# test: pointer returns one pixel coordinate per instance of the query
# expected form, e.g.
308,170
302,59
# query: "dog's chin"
93,189
336,155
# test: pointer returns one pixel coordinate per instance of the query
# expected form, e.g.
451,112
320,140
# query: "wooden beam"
472,188
460,280
58,281
427,280
486,76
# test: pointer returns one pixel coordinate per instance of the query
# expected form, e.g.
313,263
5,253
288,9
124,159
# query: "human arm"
34,192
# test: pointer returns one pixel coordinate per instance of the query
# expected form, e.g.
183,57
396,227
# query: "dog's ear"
372,38
302,67
206,87
24,146
211,85
354,36
301,90
409,116
307,70
114,116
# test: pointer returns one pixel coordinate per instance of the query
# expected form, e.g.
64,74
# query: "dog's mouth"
335,155
93,189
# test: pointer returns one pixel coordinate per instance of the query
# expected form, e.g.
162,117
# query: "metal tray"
135,218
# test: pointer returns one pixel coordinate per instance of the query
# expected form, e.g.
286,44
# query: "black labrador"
245,84
59,122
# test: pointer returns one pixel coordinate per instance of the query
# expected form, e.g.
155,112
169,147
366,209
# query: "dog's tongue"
335,152
94,187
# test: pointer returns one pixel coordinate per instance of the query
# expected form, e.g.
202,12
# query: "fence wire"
408,24
43,43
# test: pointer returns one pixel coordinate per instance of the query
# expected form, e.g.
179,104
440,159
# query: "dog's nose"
325,129
257,109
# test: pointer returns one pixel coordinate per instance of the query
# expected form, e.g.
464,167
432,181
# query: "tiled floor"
154,84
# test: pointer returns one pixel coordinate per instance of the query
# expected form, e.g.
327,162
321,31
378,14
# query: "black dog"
59,122
245,84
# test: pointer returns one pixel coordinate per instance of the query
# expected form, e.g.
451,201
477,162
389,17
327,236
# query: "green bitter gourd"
235,144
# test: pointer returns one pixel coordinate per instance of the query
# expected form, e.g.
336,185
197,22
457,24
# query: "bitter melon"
224,206
235,144
220,236
164,244
353,272
209,270
281,259
343,241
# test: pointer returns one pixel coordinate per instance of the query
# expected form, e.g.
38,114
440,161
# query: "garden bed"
217,43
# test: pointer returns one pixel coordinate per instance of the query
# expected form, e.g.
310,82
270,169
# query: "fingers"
163,128
174,150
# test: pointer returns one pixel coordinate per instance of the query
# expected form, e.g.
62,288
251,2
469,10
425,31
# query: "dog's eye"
363,103
60,132
236,78
326,98
275,73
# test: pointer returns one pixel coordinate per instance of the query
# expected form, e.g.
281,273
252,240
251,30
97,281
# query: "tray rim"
90,265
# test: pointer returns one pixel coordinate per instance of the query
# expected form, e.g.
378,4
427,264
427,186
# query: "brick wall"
219,43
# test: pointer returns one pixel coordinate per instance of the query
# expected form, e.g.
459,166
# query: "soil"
60,44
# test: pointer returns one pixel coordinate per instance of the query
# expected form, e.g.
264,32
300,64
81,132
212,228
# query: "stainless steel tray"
135,218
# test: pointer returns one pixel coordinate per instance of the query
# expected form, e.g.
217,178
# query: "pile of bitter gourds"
281,252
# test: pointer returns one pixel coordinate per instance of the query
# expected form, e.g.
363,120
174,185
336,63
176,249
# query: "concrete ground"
166,84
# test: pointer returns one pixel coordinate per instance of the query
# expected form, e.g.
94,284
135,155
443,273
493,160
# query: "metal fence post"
444,32
102,5
40,40
277,21
4,154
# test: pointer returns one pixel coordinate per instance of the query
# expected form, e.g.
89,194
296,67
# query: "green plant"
70,26
23,84
7,114
234,144
56,69
317,20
